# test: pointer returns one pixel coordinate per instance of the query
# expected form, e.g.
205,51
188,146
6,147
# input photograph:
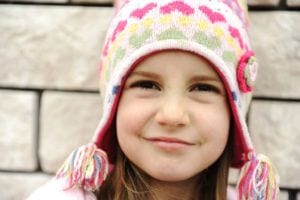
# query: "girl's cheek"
133,112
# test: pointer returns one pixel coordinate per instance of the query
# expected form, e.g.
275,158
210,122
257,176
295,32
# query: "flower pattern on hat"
247,72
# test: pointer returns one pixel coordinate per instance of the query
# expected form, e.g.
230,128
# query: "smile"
169,144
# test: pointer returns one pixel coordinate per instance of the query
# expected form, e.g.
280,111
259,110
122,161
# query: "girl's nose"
172,113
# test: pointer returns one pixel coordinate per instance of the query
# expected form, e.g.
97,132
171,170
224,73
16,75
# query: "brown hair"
130,183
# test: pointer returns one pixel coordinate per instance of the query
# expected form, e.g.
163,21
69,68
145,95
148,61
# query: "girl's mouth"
169,143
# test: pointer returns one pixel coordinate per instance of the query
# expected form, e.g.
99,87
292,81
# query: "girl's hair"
130,183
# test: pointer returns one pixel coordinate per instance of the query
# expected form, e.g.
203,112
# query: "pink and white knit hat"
213,29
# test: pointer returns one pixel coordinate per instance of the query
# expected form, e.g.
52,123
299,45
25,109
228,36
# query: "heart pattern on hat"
212,16
179,6
141,12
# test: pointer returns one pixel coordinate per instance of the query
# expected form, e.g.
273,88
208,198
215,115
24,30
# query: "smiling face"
173,118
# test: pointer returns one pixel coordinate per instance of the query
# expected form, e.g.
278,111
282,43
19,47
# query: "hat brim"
105,136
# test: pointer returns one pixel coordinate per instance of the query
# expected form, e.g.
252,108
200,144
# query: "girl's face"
173,118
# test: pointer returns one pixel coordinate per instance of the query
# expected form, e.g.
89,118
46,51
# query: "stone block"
18,130
16,186
51,46
293,3
233,175
275,131
275,38
68,120
263,2
283,195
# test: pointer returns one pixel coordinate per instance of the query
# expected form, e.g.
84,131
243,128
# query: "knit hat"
213,29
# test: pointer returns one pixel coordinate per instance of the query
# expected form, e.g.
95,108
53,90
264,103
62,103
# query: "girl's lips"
168,140
169,143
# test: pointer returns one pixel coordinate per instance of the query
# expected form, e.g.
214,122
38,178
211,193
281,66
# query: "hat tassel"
258,180
87,167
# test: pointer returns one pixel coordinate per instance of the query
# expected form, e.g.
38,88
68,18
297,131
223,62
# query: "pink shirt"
54,190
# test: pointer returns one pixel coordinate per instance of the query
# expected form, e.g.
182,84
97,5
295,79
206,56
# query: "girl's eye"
146,85
203,87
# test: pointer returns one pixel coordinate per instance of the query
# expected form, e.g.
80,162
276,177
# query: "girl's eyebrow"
145,74
200,78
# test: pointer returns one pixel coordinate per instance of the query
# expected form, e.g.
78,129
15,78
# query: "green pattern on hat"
138,40
229,56
171,33
209,42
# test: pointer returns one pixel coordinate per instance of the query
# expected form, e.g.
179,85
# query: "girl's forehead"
173,61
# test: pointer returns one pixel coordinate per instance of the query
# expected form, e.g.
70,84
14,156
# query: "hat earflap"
86,166
258,180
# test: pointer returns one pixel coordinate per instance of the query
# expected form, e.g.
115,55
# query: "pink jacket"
54,190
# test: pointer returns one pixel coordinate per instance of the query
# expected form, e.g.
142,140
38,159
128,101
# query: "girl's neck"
182,190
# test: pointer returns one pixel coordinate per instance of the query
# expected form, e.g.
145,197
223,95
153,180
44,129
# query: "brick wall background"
49,102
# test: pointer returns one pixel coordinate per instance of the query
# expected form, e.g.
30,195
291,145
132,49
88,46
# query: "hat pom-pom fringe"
258,180
86,167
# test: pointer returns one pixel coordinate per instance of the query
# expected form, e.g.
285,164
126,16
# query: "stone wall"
49,102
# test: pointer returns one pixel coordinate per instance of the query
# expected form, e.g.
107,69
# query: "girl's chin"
172,177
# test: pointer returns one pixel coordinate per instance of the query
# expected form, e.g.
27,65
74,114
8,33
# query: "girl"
177,77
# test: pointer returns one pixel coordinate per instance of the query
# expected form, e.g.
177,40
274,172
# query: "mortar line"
37,130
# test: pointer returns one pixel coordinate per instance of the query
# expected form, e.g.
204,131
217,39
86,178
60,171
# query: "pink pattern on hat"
236,34
141,12
212,16
120,27
177,5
